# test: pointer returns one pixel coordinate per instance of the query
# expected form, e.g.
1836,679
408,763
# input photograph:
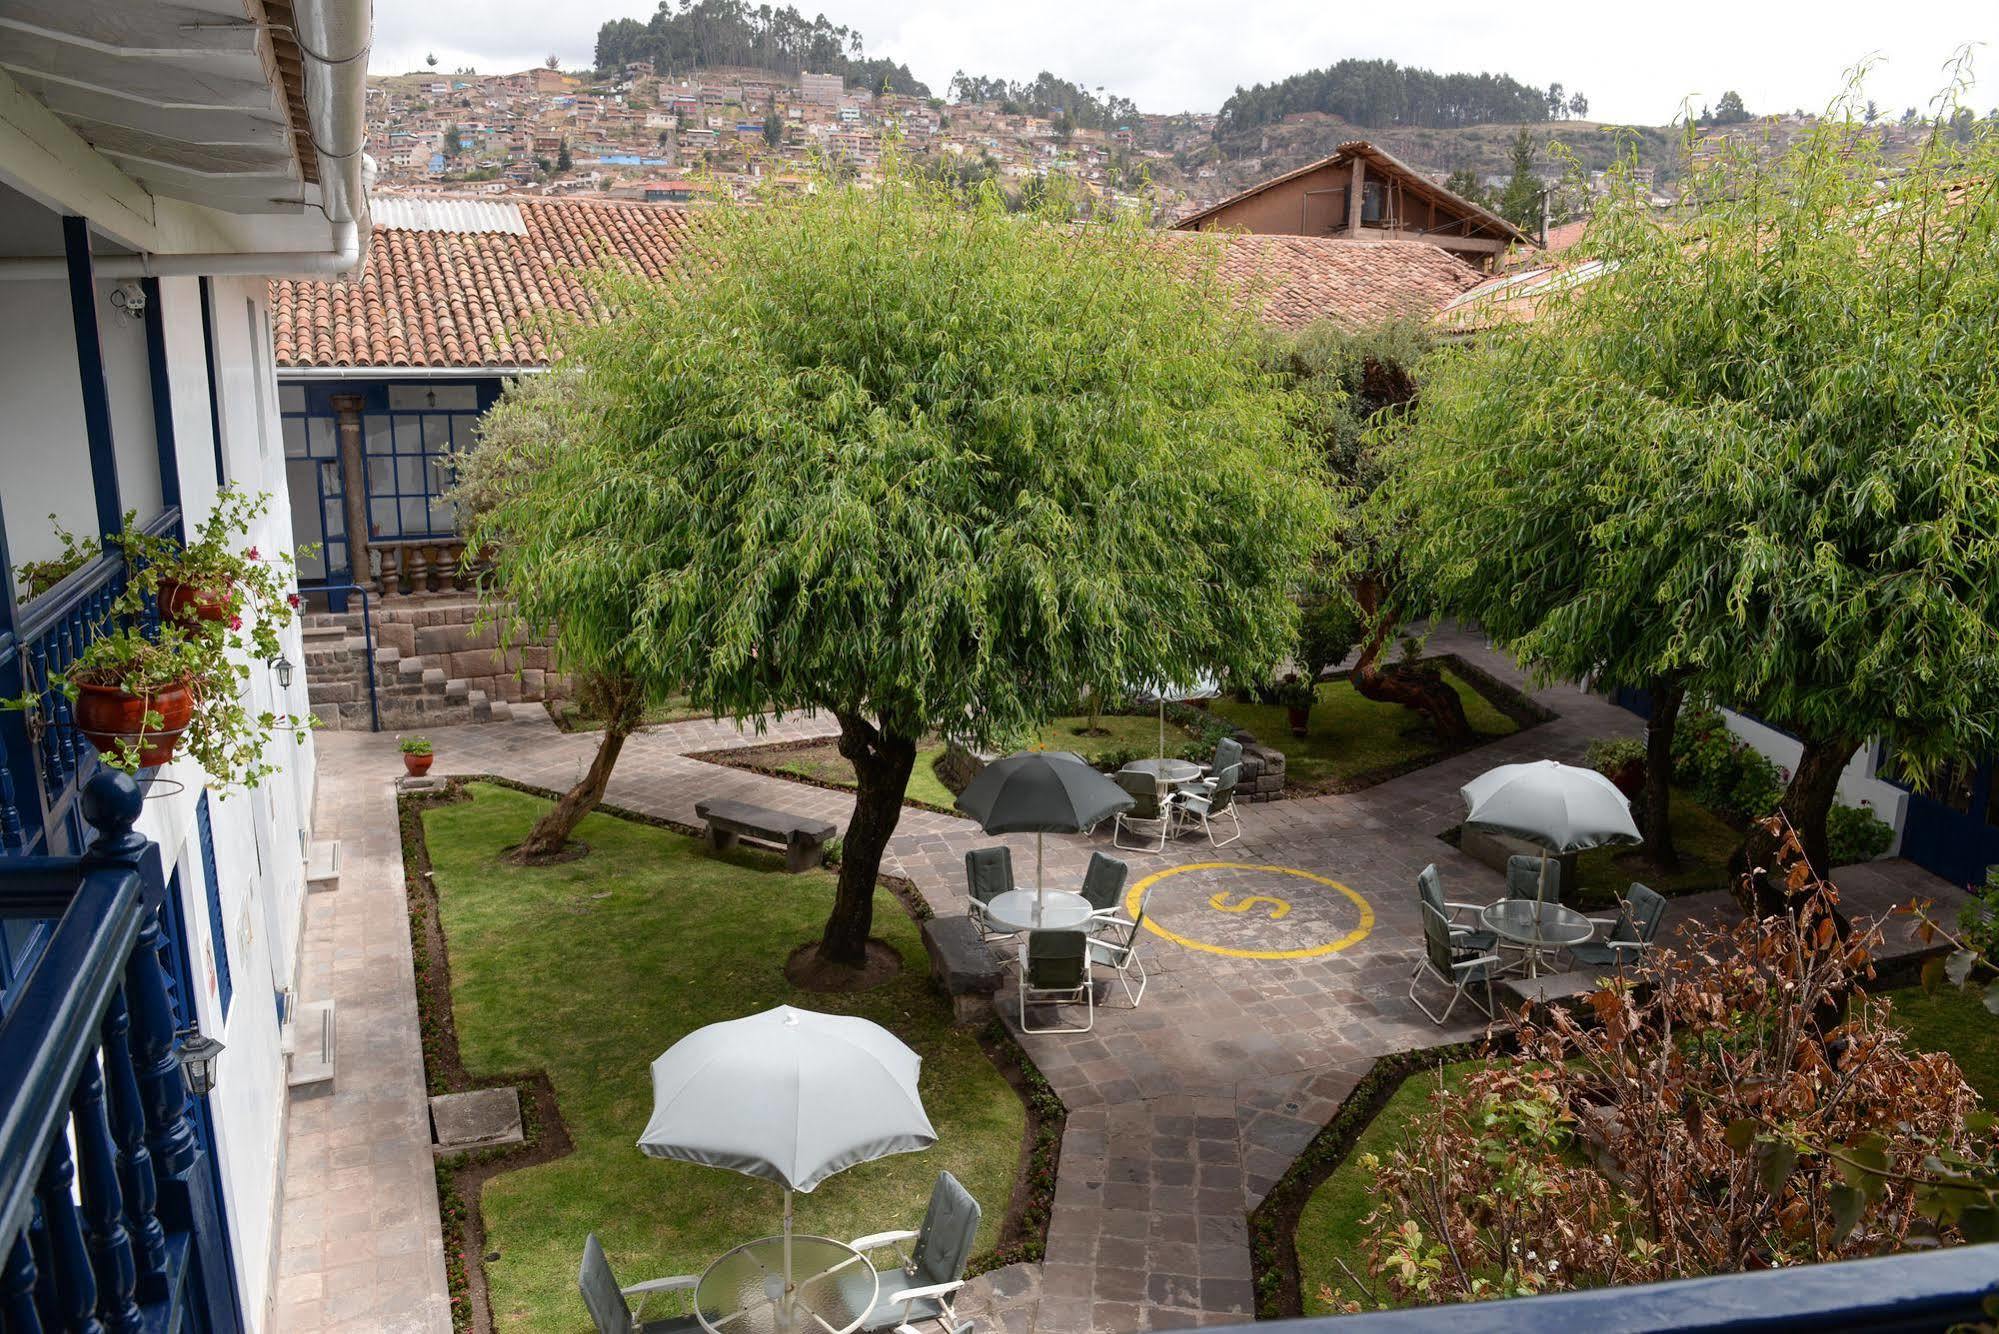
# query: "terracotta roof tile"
468,300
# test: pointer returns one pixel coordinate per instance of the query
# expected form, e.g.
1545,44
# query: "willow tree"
896,456
590,627
1755,448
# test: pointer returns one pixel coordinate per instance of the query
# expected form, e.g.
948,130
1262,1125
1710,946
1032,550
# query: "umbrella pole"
1037,877
1162,727
787,1257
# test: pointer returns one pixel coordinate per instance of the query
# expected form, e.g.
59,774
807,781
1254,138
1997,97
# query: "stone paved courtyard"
1281,977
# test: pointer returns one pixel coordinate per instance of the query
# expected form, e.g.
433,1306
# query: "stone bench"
963,964
801,838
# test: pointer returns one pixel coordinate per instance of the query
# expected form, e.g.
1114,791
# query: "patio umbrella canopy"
1559,806
1203,687
791,1096
1041,792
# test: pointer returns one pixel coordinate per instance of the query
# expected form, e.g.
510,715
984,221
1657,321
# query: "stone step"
308,1041
322,866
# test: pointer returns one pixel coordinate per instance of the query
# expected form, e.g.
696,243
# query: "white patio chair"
1201,804
1152,816
605,1300
934,1269
1114,944
1458,969
1055,969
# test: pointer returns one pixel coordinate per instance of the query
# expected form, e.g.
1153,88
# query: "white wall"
42,437
260,835
1858,785
128,381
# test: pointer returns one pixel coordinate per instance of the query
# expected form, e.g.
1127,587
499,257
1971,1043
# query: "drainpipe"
333,36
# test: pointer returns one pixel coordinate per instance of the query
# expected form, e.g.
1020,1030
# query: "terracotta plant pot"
1300,720
417,765
185,602
108,715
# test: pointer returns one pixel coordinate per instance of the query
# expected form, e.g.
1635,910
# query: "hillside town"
723,134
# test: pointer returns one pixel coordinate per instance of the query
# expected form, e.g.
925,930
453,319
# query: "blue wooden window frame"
211,884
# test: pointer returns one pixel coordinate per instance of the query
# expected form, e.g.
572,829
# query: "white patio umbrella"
1560,807
791,1096
1204,686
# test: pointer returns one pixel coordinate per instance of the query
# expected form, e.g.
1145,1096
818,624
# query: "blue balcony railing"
44,761
122,1232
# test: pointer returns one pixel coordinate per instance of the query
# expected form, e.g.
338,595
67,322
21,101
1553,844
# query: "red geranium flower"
235,622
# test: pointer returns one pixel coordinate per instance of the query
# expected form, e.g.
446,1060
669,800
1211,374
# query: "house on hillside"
1396,202
148,190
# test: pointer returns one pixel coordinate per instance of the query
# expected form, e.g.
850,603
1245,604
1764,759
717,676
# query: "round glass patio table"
1170,773
742,1292
1061,910
1537,928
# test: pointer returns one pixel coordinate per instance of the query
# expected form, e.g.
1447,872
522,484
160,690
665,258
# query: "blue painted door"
1952,828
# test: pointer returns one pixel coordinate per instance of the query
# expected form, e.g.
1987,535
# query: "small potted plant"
39,576
1297,696
416,755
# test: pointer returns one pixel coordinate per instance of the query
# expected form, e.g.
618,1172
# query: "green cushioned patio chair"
1524,879
1103,883
1055,969
605,1300
1459,969
933,1270
988,874
1628,934
1430,885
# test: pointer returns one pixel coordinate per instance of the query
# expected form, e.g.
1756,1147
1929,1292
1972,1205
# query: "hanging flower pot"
113,718
187,602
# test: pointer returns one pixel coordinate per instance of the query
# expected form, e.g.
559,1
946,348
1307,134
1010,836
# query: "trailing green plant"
1293,691
37,577
143,654
257,589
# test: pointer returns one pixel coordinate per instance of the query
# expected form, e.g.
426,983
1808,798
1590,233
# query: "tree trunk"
882,763
1806,803
1419,688
1667,694
621,701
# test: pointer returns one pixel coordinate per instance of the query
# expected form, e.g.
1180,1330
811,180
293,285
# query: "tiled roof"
1304,280
469,299
465,300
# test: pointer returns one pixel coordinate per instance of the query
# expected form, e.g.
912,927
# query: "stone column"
354,487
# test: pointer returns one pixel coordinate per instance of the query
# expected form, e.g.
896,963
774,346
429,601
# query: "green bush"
1608,754
1724,773
1853,834
1978,920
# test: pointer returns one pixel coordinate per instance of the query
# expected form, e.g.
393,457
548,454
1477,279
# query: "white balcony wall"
42,440
128,380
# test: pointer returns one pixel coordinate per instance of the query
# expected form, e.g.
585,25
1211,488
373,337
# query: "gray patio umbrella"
791,1096
1041,792
1203,686
1561,807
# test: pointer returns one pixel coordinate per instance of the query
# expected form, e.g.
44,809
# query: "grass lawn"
1703,839
569,716
825,764
1956,1021
590,969
1352,735
1122,732
1329,1229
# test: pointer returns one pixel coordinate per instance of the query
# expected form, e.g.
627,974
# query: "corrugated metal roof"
415,213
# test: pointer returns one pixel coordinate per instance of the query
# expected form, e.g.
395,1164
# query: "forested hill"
1376,93
697,34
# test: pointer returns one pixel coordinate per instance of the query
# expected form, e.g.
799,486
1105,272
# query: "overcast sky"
1636,62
